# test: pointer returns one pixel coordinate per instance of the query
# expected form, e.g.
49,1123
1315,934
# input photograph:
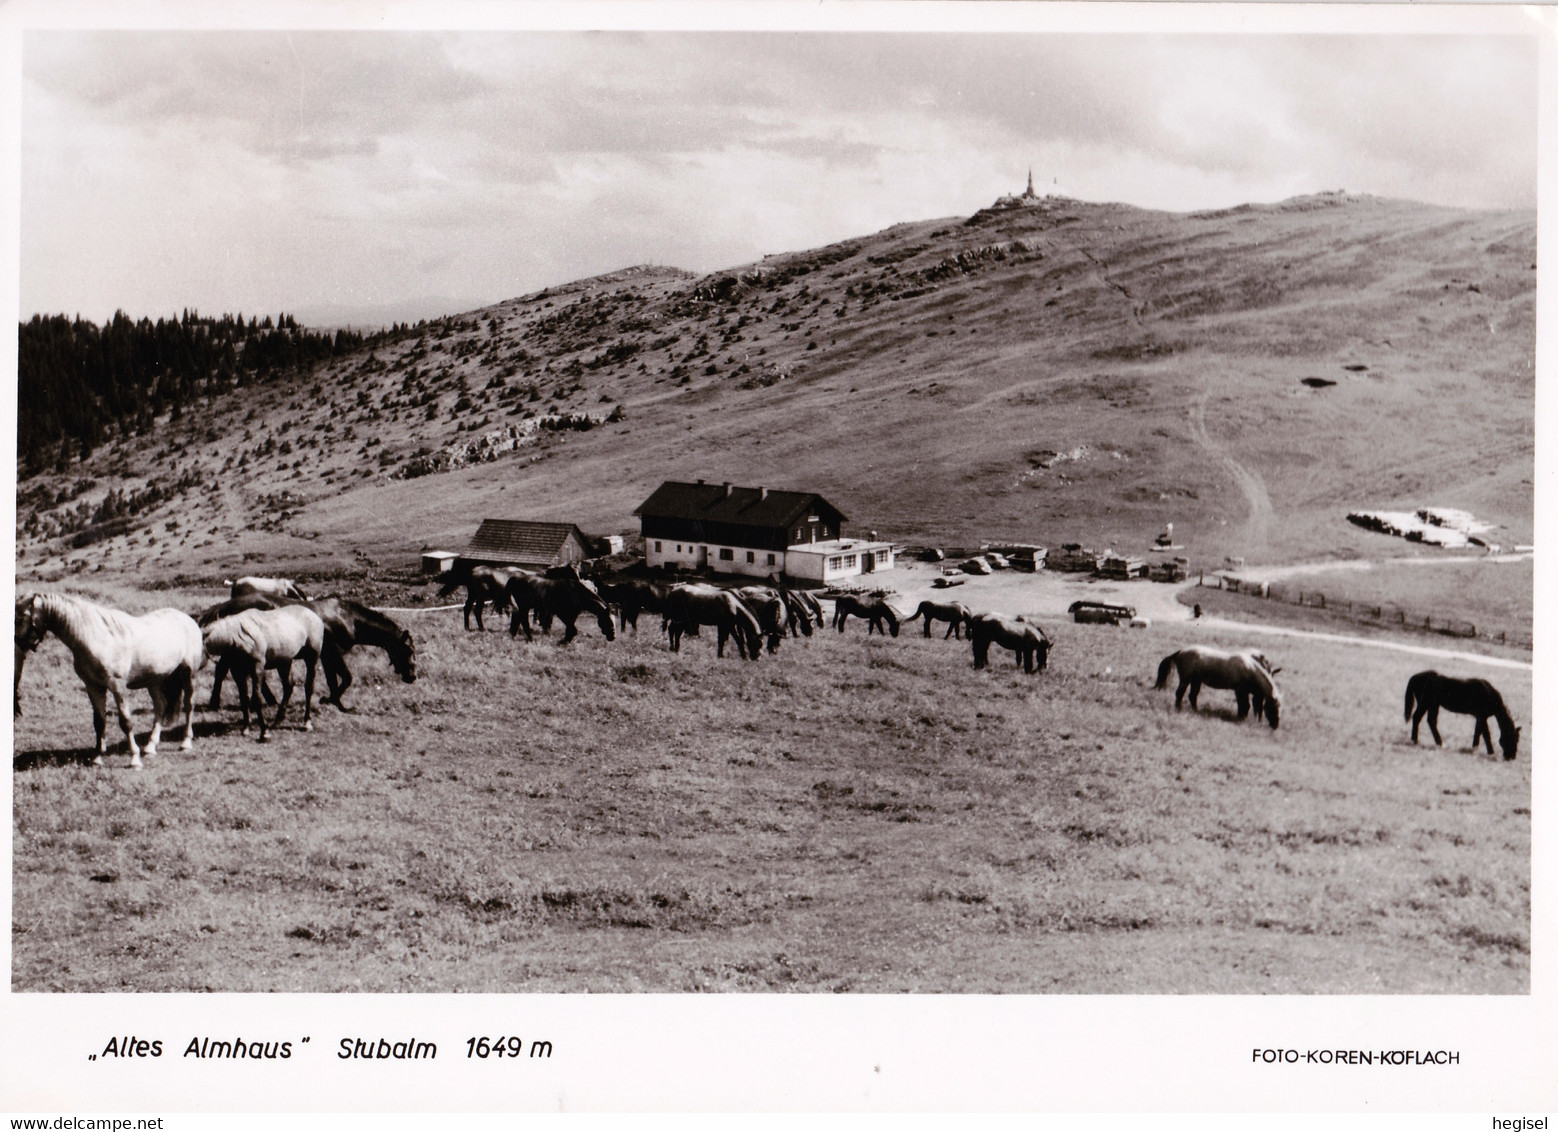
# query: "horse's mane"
1270,686
77,616
370,615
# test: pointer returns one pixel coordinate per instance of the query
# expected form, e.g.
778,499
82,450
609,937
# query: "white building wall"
824,562
737,563
677,555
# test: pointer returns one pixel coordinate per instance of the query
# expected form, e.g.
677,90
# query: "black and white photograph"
969,505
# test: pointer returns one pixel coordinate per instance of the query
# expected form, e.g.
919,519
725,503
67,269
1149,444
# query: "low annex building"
753,531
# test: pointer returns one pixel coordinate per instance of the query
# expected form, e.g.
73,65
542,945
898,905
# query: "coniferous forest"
78,384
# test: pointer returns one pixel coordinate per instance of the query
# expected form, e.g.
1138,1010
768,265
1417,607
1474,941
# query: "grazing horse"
561,593
632,597
953,612
114,652
688,606
256,639
768,606
874,610
270,587
1029,644
482,584
801,611
812,606
347,624
798,615
1247,674
1431,691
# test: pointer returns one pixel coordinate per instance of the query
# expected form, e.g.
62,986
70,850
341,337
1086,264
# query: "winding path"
1258,525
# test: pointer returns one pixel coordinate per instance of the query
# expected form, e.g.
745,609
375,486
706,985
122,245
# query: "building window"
657,546
849,561
835,563
751,557
726,554
770,559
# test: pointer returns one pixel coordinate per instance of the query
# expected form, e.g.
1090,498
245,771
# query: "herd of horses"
268,624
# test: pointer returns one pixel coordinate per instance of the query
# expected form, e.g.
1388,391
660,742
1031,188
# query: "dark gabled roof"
519,541
723,503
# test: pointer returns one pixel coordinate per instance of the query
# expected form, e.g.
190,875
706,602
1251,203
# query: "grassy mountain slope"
1057,372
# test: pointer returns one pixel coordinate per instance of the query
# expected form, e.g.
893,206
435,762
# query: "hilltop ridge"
1058,371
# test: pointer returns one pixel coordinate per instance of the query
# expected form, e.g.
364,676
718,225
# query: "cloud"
268,168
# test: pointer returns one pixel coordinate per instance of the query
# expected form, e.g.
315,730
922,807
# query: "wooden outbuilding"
526,544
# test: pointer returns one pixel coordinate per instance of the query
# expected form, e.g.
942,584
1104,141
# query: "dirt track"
1046,595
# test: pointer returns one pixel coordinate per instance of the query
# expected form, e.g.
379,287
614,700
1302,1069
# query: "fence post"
1322,600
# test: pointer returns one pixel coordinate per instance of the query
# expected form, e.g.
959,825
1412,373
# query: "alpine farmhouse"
754,531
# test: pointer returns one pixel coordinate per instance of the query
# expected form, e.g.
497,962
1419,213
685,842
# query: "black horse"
347,624
1029,644
1431,691
560,593
691,605
874,610
482,584
955,613
632,596
769,607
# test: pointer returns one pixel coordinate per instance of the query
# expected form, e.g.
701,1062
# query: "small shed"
520,542
437,561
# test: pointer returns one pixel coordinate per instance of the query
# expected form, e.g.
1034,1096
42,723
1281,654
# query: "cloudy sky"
311,171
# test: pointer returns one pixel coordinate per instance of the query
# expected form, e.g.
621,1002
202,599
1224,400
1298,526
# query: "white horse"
257,639
114,652
270,587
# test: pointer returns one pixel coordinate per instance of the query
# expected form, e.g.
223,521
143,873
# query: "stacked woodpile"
1122,567
1072,558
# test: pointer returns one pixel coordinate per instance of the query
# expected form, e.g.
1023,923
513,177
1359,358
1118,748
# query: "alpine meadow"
845,810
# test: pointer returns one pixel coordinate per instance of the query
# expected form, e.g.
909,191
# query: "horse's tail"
1164,669
1411,694
918,613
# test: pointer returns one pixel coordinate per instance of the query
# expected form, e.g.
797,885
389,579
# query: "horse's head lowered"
31,625
404,657
1272,705
1508,739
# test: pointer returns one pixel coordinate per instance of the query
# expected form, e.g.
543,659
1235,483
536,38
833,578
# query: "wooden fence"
1365,612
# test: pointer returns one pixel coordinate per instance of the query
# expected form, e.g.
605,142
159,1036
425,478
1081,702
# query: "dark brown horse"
1029,644
1246,674
1431,691
560,593
347,625
768,606
689,606
874,610
482,584
632,596
955,613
